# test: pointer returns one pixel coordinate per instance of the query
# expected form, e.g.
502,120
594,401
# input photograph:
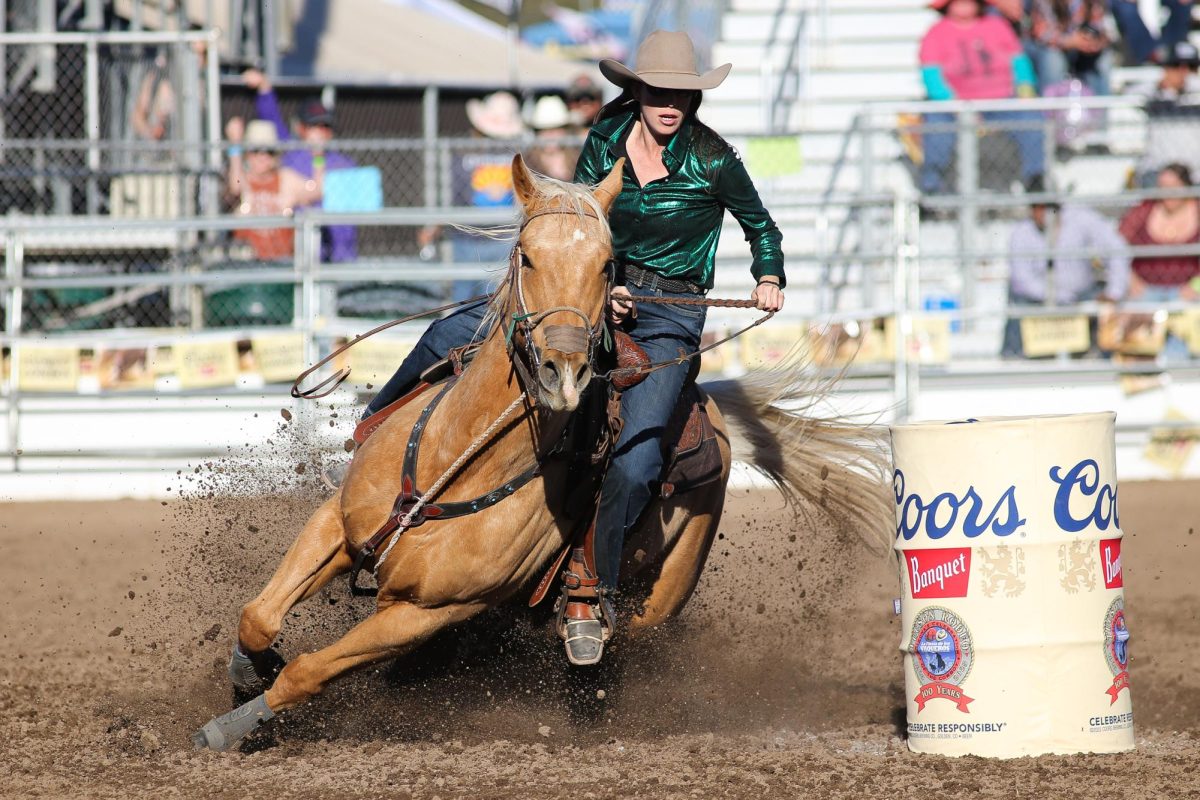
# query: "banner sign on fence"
48,369
770,345
124,368
1049,336
373,361
279,358
203,364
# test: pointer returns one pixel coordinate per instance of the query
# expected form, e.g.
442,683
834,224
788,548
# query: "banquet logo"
947,511
1110,563
942,653
938,573
1116,648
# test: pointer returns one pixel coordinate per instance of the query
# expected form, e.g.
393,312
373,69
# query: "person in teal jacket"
680,178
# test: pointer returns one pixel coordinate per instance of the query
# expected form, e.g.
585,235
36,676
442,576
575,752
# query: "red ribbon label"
948,691
1120,682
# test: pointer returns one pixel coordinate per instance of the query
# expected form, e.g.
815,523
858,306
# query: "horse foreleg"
317,556
388,633
687,551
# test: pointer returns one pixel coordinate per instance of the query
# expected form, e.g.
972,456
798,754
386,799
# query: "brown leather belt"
644,278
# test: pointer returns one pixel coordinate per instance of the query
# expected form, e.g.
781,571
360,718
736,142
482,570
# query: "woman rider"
679,178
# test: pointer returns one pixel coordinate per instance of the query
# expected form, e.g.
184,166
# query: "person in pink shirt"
970,54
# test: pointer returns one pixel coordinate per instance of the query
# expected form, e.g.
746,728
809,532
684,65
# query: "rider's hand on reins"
620,310
767,295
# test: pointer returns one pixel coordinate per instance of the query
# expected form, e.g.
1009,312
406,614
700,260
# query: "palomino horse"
446,571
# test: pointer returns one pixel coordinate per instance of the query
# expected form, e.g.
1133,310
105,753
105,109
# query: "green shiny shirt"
671,226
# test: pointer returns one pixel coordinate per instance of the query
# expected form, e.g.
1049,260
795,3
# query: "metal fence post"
967,161
429,132
14,258
904,386
92,122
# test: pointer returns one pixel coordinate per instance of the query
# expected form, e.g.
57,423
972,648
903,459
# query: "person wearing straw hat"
550,153
257,186
480,177
680,177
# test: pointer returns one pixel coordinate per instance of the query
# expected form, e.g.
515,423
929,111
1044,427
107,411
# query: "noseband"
568,339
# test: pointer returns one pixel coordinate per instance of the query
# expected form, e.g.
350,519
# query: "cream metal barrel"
1012,593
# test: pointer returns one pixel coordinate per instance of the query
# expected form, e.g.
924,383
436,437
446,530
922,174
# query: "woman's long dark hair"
708,143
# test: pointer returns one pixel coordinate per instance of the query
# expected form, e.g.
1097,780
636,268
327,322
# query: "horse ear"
607,190
522,181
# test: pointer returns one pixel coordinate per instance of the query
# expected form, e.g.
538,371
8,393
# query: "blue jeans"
662,331
1137,36
1055,66
939,141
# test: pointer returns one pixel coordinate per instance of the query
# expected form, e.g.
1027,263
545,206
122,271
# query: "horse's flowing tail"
813,457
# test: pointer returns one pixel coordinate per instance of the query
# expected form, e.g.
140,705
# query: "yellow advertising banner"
1190,327
202,364
857,341
1049,336
717,359
124,368
48,369
279,358
929,342
1171,448
770,345
373,361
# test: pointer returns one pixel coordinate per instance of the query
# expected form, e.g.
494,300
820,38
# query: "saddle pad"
691,455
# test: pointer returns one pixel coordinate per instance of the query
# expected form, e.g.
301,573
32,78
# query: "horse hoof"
226,731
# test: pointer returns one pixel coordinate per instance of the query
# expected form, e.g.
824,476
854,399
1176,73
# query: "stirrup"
585,626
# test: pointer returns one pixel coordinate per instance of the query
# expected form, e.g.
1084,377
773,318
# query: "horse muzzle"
563,367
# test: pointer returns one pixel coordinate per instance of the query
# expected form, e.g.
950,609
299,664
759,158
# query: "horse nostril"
548,375
583,375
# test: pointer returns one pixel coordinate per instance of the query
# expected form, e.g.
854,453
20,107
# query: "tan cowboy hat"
261,135
496,116
666,60
550,112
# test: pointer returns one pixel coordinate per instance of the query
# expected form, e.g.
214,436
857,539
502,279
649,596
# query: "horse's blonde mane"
547,193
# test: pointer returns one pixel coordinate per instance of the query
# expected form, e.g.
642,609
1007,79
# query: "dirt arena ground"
782,680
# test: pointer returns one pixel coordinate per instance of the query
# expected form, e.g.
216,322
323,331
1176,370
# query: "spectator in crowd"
1050,260
584,100
550,154
971,55
1139,42
154,109
1172,114
1069,41
258,186
481,177
314,128
1167,221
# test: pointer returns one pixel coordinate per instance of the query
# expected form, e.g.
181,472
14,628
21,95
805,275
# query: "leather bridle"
569,339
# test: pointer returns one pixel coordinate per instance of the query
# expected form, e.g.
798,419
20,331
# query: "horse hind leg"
686,551
677,535
388,633
318,555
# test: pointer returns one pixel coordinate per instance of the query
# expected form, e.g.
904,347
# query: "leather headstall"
526,360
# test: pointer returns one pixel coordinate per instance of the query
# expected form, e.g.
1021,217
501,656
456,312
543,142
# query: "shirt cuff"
759,271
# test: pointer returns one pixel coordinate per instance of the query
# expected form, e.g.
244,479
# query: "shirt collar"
674,153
